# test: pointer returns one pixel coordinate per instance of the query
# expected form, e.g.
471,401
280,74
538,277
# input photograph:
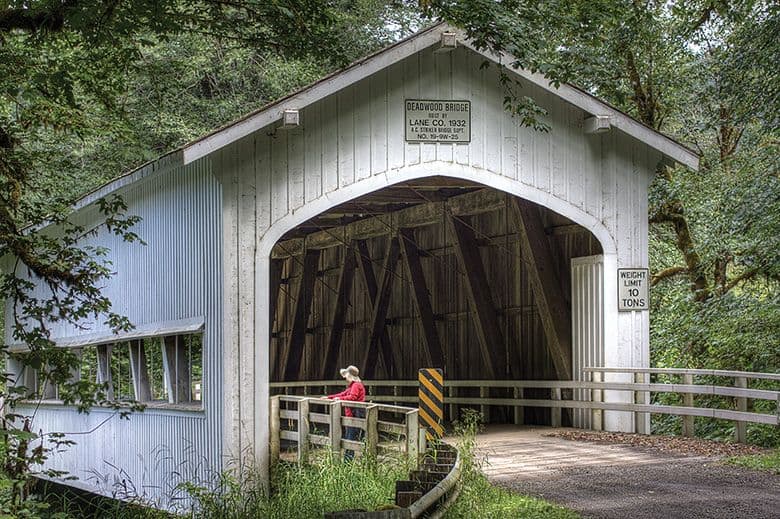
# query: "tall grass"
305,491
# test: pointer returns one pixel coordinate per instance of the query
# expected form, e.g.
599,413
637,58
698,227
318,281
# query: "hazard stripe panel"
431,406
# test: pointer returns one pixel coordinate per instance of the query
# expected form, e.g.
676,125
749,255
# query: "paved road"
619,481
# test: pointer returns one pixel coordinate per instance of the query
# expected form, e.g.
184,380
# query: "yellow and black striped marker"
431,396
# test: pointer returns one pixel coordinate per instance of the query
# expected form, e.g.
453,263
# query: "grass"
311,490
768,462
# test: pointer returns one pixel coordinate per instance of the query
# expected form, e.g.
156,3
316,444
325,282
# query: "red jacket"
356,392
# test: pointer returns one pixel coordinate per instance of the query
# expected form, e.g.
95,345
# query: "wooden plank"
303,431
420,215
372,432
293,354
683,371
555,314
688,426
335,431
275,283
422,299
139,367
379,314
346,279
369,280
491,340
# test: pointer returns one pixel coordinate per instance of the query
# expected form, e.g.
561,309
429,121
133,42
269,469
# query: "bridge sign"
432,120
633,290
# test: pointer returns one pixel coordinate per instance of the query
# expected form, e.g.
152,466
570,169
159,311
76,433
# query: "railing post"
303,431
335,430
450,394
372,433
689,426
483,409
518,394
555,412
275,426
641,397
597,395
412,435
740,427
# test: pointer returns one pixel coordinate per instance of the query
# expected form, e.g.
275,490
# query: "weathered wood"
139,368
275,278
413,436
429,213
177,367
372,432
740,427
335,430
339,317
380,304
303,431
422,298
555,412
688,425
293,354
491,340
555,314
519,417
597,395
641,397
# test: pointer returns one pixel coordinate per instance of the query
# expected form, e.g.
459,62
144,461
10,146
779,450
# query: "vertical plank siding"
210,227
176,275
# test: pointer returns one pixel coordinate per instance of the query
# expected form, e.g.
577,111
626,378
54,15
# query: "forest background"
91,89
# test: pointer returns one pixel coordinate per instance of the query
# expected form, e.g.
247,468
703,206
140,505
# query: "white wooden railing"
629,390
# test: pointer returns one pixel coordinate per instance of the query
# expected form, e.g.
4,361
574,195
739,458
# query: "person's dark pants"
354,434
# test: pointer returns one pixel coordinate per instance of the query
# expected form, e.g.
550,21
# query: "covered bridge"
394,216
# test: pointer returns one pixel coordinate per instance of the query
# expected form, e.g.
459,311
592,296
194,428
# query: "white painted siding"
587,326
352,143
177,275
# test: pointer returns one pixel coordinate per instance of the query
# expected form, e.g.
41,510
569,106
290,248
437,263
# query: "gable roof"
363,68
403,49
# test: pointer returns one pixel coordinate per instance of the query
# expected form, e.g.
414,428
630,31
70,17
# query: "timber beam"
346,279
381,302
422,298
491,340
428,213
548,293
293,352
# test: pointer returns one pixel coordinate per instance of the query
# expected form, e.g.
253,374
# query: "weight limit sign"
431,395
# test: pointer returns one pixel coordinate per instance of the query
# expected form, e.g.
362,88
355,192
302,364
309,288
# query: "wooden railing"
630,389
306,421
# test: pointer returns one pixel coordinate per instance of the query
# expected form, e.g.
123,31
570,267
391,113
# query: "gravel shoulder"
629,476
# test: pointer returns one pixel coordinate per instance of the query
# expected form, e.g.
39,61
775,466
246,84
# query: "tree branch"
667,273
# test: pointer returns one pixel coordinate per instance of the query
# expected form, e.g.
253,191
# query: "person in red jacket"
355,392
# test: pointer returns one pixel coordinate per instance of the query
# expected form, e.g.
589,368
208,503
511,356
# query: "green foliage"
769,462
477,494
303,491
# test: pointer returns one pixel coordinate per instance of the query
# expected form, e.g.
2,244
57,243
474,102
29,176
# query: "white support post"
413,436
275,426
104,368
139,368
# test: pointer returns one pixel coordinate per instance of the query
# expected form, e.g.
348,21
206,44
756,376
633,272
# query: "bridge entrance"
434,272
